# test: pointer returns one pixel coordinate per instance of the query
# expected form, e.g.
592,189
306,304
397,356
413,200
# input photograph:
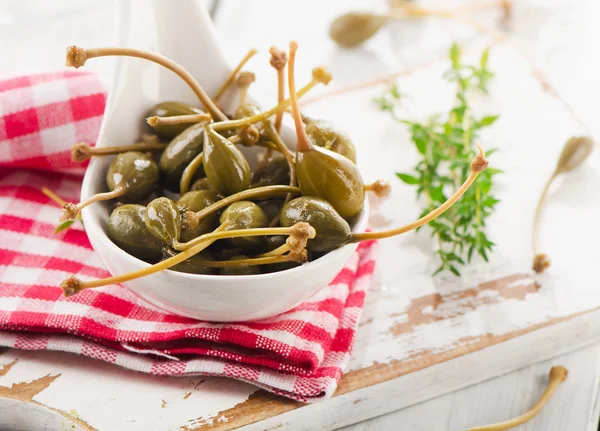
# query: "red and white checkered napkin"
300,354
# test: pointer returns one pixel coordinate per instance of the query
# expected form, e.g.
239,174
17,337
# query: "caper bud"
135,173
245,215
127,229
202,184
226,167
172,109
163,220
195,201
332,230
179,153
275,171
326,134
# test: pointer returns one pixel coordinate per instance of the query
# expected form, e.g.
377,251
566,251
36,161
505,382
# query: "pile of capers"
186,199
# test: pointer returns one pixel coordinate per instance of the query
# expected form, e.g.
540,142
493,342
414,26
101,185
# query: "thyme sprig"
446,146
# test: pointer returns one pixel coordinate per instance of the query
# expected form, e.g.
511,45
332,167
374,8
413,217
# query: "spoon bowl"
186,35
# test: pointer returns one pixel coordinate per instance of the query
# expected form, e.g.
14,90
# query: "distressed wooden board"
419,337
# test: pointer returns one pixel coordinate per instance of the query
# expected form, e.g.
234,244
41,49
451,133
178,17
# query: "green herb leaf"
64,226
408,179
446,144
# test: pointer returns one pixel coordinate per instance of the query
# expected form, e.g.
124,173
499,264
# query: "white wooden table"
555,33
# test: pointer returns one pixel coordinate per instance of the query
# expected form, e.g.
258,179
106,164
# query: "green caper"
202,184
195,201
330,176
332,230
246,110
192,265
240,270
127,229
135,173
245,215
275,171
326,134
179,153
172,109
226,167
163,220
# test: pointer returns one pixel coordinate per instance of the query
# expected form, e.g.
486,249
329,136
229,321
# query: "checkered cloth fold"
299,354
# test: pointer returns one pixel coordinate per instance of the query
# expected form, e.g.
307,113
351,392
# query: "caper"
195,201
127,229
226,167
332,230
172,109
179,153
325,134
245,215
202,184
163,220
275,171
133,172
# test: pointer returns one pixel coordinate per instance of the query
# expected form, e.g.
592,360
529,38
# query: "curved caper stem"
271,133
557,375
155,120
70,210
188,173
303,142
244,80
53,196
320,75
282,249
190,220
76,57
233,75
380,188
278,61
300,233
478,164
82,151
291,257
575,151
73,285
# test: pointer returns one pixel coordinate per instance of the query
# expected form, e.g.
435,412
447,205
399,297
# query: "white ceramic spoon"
183,31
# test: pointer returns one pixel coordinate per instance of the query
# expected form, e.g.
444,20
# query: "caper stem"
303,142
276,252
82,151
70,210
538,214
280,97
191,219
236,233
73,285
188,173
478,164
233,75
76,57
232,124
177,119
558,374
49,193
247,262
271,133
278,61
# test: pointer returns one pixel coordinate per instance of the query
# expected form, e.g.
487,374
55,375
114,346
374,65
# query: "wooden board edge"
384,382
